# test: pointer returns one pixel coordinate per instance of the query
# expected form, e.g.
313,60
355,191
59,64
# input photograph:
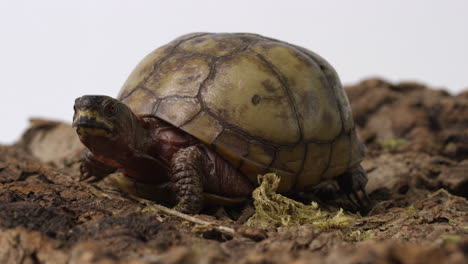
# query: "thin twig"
193,219
187,217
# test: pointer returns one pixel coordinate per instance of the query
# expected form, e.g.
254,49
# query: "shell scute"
179,75
243,88
312,99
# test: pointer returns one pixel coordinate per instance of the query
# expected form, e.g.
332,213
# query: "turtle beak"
92,123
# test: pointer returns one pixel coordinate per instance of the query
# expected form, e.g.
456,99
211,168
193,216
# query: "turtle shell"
263,104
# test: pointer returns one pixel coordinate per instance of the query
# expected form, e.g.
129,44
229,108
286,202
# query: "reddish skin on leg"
152,151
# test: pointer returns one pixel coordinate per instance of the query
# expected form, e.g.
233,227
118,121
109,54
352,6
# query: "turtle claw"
88,179
366,196
84,172
357,200
351,183
86,175
361,203
352,200
92,170
83,178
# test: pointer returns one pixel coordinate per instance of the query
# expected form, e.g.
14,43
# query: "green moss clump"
393,144
274,210
356,235
410,211
451,239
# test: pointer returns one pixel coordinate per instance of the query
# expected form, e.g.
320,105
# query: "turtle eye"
110,108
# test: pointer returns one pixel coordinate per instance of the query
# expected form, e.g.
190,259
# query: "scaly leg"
189,166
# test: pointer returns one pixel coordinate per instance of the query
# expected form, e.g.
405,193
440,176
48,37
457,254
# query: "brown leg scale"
188,167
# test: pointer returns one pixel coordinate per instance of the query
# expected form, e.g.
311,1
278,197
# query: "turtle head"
104,123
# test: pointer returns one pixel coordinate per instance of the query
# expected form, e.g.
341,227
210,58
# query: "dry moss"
274,210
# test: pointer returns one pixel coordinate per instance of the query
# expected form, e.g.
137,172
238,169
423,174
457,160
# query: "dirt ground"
417,164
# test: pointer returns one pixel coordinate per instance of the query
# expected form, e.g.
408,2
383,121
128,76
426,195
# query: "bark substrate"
418,184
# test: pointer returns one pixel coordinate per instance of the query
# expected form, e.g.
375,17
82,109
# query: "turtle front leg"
352,182
188,168
90,167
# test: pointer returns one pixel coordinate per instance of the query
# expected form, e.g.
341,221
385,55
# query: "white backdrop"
54,51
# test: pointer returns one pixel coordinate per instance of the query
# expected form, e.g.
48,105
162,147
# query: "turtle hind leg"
352,183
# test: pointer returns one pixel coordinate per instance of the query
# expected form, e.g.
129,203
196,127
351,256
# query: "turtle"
201,117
